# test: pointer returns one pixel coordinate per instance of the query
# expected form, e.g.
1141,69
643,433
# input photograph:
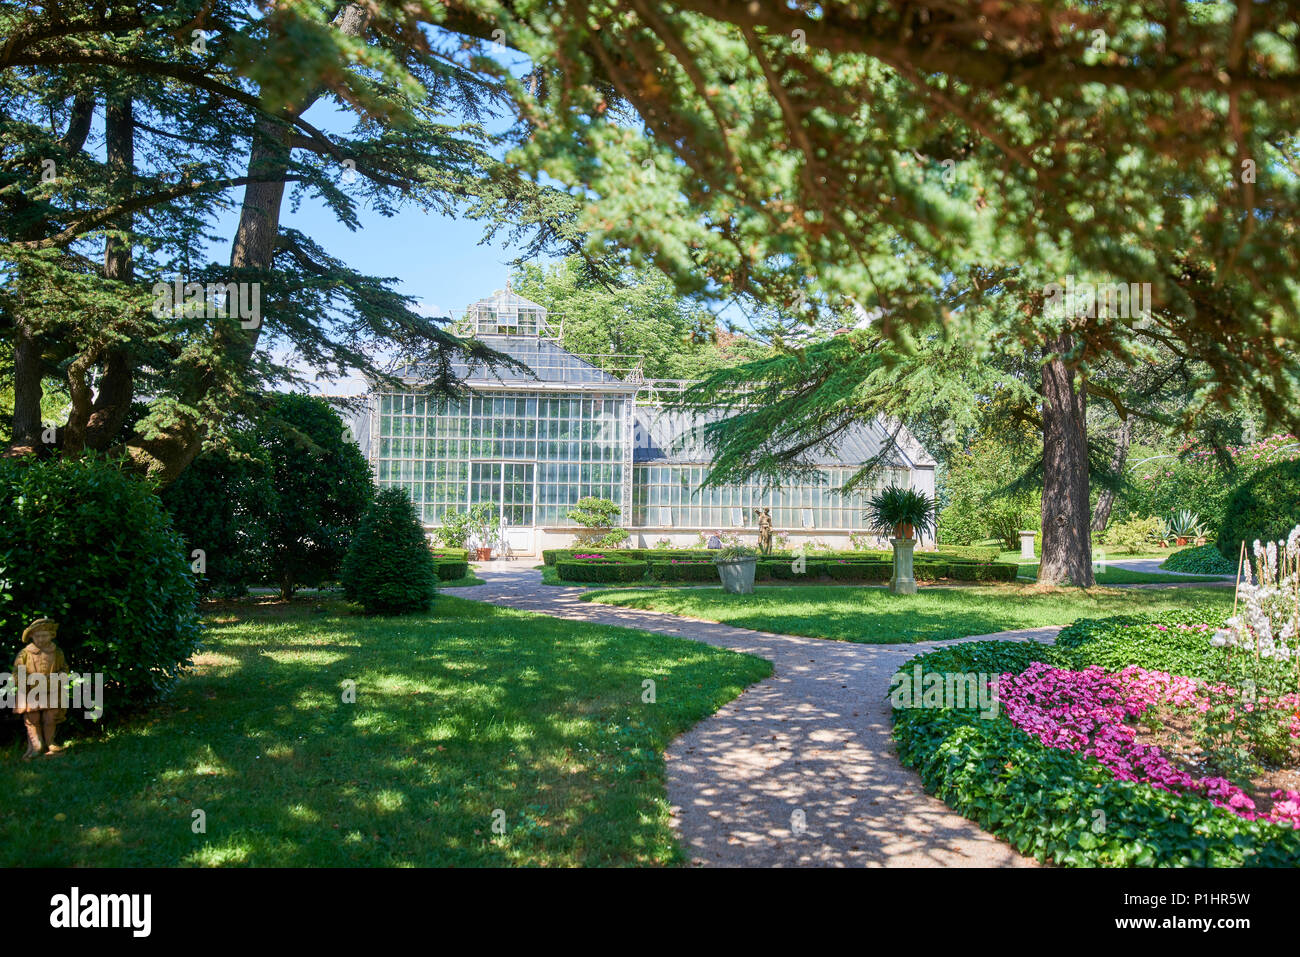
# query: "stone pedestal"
903,582
1027,544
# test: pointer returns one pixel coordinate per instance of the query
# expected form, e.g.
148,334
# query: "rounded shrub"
1200,560
1264,508
389,569
92,547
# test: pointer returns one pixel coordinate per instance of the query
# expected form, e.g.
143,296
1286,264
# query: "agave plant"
1186,524
903,511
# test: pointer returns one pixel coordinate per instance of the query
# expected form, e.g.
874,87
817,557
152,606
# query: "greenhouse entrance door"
510,486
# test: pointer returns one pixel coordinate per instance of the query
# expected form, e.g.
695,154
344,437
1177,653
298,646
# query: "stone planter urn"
903,581
1027,543
737,575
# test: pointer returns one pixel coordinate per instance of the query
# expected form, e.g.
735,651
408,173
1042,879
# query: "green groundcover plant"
1056,805
1199,560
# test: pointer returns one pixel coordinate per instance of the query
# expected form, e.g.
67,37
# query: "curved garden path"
814,738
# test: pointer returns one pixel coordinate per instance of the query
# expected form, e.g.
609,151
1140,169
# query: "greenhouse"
534,443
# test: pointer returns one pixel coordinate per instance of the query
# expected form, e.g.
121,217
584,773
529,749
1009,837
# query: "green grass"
460,712
469,579
1162,553
874,616
1123,576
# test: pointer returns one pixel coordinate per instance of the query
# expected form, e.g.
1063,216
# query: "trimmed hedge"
1042,800
451,571
697,566
859,571
684,572
450,554
611,571
972,552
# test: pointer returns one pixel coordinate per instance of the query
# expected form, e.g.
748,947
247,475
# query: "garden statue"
764,530
41,656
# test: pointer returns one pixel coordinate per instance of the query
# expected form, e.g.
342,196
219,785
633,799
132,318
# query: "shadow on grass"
458,715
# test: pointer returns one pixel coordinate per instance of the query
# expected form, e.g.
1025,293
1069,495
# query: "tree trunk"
119,144
286,586
1106,500
166,456
27,391
1067,547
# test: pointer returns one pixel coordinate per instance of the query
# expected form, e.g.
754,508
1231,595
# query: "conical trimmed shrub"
389,569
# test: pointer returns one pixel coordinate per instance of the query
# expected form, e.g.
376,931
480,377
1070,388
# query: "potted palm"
905,512
736,565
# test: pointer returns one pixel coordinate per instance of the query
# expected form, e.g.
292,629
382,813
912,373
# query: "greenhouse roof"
550,364
667,436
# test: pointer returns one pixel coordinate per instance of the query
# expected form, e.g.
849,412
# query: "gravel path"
800,769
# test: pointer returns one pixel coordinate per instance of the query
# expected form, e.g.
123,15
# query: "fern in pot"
904,512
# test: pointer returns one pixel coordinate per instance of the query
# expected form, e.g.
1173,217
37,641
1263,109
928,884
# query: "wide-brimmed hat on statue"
40,625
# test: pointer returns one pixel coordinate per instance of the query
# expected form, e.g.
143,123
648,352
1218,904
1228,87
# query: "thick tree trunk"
27,392
1067,547
119,139
166,456
28,363
1106,500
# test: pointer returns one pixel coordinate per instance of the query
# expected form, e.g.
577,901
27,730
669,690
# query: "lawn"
874,616
458,713
1124,576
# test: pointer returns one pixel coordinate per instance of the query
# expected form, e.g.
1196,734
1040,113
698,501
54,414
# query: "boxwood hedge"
684,571
609,571
698,566
449,571
1046,802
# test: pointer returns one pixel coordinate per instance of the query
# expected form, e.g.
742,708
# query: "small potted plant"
905,512
736,566
485,523
1185,526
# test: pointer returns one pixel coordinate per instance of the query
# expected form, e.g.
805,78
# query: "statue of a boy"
41,656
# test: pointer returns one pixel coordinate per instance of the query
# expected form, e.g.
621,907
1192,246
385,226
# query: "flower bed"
1090,712
1064,772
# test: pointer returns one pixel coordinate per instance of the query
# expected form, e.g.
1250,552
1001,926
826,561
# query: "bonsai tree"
389,569
903,511
598,515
